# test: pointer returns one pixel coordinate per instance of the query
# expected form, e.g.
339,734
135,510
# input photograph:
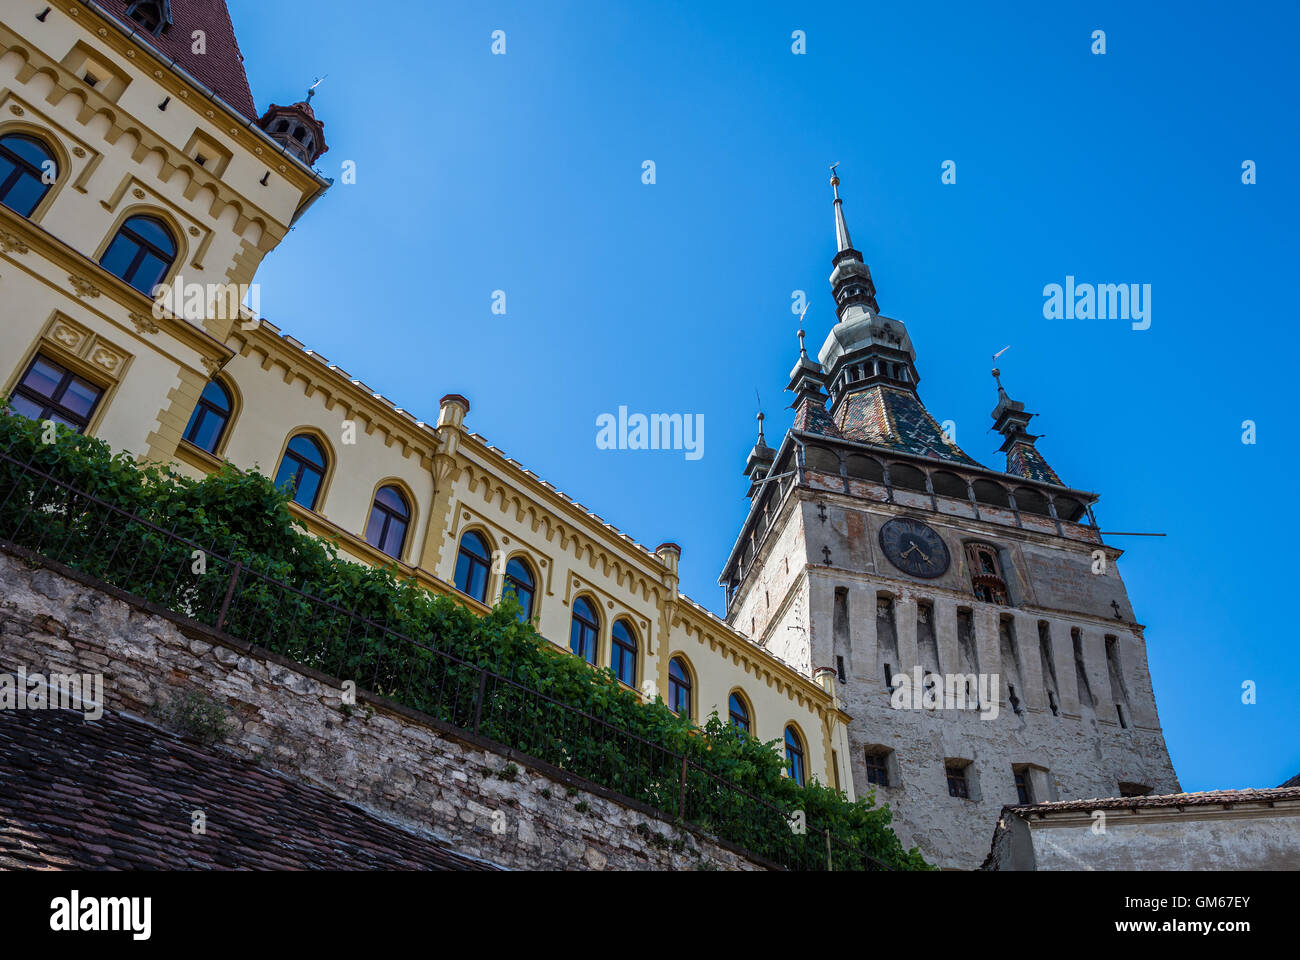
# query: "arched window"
281,126
622,658
390,515
1067,508
141,253
794,755
986,577
739,712
585,630
865,468
27,171
948,485
906,477
519,581
1029,500
472,567
986,491
821,459
208,421
302,470
679,687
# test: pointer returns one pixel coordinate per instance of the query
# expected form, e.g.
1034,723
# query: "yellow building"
136,204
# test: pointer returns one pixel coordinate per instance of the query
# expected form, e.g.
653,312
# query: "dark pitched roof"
889,417
1202,799
220,67
1293,782
116,793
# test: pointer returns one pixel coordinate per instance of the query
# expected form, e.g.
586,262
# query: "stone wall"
1080,749
1220,830
480,800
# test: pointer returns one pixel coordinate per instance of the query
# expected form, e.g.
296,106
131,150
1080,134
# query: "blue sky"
523,173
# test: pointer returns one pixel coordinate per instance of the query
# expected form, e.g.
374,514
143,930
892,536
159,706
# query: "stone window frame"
76,347
888,762
968,777
973,551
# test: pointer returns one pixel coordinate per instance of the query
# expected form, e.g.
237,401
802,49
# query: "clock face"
914,548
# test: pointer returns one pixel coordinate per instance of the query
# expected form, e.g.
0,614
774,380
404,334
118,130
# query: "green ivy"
549,705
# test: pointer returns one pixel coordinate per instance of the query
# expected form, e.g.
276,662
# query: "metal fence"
51,518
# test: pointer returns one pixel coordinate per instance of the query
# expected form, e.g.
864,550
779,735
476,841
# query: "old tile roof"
116,793
220,66
1024,460
1202,799
889,417
811,417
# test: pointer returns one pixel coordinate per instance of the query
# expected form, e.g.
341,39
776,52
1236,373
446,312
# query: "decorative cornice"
144,324
276,349
131,300
83,287
11,244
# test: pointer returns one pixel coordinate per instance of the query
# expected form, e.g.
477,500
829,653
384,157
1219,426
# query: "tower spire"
1012,421
851,278
759,462
842,240
807,379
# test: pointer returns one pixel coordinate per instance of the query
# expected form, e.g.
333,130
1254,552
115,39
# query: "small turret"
807,379
759,462
1012,421
296,128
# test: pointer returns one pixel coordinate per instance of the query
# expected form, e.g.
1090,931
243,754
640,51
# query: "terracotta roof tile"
220,67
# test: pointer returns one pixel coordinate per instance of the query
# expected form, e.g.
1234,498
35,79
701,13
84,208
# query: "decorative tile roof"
889,417
118,794
220,66
811,417
1024,460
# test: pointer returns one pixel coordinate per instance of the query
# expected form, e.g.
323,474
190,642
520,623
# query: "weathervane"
997,374
311,91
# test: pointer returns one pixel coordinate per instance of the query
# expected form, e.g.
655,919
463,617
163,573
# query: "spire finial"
842,240
997,374
803,351
311,91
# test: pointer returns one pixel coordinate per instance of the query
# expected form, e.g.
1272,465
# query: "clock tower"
971,619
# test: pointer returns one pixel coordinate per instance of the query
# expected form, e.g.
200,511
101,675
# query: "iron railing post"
482,693
681,803
230,593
